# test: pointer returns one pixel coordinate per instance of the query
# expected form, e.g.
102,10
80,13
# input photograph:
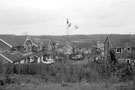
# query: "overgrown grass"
65,72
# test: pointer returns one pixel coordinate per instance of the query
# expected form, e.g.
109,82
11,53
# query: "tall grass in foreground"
59,72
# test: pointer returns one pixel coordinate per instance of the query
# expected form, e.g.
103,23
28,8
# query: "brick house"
28,44
25,45
123,45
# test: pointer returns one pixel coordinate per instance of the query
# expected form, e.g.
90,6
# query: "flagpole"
67,33
68,25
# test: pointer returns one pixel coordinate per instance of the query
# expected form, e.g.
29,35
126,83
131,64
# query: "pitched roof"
120,40
68,45
82,44
13,40
12,56
15,57
44,42
9,40
64,44
36,41
20,39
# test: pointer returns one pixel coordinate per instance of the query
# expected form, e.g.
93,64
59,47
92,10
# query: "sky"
48,17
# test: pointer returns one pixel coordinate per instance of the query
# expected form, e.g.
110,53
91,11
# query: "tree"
112,59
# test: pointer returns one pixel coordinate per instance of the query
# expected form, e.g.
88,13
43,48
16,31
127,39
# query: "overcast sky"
48,17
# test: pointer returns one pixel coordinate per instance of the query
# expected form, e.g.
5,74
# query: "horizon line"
70,34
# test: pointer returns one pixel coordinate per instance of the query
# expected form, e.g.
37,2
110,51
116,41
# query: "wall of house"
28,45
4,46
35,48
132,53
125,53
34,59
20,49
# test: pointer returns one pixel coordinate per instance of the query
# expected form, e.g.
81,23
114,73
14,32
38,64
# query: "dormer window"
118,50
128,49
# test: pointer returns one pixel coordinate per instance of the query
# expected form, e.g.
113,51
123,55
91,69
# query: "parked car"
79,56
48,60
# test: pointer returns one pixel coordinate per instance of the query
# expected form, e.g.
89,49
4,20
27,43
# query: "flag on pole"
69,25
76,27
67,21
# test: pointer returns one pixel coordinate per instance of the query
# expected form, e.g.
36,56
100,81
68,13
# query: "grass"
75,75
70,86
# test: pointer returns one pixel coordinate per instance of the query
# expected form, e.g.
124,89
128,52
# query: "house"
29,44
67,49
37,48
123,46
100,45
23,44
47,46
23,49
37,45
32,57
59,47
100,48
82,46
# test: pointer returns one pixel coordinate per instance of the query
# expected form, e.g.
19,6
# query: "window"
128,61
128,49
118,50
25,48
